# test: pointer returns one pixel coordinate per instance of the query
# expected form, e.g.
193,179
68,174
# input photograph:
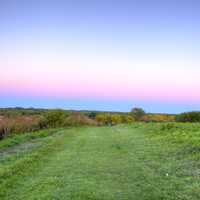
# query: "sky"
100,55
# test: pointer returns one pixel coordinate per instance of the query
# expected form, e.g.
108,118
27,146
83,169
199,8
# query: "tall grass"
18,125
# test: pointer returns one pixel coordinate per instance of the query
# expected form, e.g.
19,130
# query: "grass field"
136,162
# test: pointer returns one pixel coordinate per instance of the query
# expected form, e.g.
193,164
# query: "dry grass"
18,125
77,119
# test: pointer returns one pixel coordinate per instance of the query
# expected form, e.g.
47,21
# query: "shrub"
127,119
101,119
5,128
188,117
18,125
104,119
108,119
77,119
92,115
115,119
53,118
158,118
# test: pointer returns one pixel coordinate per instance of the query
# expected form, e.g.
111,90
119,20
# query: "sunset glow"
127,53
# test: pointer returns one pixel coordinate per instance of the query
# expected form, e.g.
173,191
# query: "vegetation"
109,119
189,117
79,119
18,111
19,120
158,118
18,125
146,161
127,119
138,113
53,118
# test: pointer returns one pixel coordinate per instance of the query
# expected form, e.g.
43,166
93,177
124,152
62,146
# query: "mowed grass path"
97,163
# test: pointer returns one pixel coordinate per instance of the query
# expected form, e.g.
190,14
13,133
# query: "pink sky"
106,79
136,51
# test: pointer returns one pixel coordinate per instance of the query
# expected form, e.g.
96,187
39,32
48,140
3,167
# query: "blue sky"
100,55
101,105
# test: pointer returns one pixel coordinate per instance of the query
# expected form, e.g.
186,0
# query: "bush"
158,118
127,119
116,119
78,119
18,125
109,119
101,119
188,117
53,119
92,115
5,128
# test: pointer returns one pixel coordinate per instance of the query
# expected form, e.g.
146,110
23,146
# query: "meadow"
145,161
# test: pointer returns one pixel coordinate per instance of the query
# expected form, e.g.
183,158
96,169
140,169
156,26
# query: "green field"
136,162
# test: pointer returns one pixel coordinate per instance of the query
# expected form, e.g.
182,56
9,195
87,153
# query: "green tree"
138,113
92,115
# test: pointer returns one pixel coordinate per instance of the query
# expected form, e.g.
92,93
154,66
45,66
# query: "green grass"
124,162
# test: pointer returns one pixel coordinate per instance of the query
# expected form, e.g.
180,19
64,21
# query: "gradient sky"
102,55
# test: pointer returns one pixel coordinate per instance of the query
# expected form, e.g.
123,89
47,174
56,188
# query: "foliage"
115,119
18,111
108,119
188,117
158,118
19,124
103,119
53,118
92,115
5,128
77,119
138,113
20,120
127,119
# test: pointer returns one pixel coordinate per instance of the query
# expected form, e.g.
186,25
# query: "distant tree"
138,113
92,115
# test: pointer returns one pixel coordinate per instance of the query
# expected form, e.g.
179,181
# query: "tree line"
19,120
